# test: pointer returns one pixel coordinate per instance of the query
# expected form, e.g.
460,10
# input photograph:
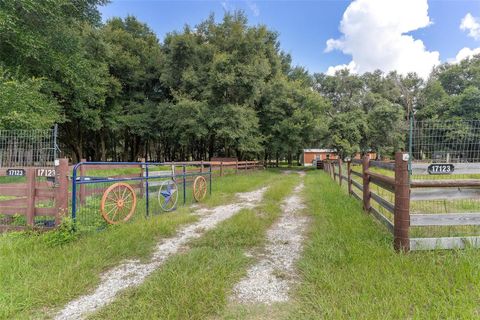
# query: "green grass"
350,270
196,284
36,276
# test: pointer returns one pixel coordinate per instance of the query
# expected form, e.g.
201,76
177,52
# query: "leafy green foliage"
65,233
24,106
220,88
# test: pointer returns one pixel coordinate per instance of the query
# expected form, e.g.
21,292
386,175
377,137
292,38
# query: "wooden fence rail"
27,195
359,185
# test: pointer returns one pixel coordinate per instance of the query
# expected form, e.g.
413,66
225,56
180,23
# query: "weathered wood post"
82,192
142,182
333,171
236,166
340,171
401,218
201,166
221,168
349,176
30,213
61,192
366,183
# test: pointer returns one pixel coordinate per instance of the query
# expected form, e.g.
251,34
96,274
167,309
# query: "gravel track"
133,272
270,279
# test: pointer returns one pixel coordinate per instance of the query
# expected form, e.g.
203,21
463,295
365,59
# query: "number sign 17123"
16,172
441,168
44,172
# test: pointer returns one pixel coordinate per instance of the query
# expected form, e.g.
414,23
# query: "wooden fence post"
333,171
340,171
82,194
201,166
61,192
142,182
236,166
349,177
30,213
401,218
221,168
366,183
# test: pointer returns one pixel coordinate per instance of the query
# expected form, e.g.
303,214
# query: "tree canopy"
220,88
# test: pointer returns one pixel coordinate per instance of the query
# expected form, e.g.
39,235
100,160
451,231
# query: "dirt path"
270,279
133,272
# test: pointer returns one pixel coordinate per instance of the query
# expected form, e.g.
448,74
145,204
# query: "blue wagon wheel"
168,195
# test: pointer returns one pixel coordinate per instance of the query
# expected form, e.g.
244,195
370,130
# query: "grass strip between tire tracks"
196,284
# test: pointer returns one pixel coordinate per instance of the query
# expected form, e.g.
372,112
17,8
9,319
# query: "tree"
346,132
386,128
24,106
134,61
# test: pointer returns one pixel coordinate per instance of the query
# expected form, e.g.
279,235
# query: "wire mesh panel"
446,141
445,150
104,195
28,148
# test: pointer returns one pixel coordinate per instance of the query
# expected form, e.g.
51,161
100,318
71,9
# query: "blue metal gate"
90,180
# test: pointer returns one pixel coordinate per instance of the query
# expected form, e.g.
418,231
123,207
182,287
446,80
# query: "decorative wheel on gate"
118,203
168,195
199,188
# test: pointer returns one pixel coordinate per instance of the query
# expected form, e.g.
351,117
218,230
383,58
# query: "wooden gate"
43,192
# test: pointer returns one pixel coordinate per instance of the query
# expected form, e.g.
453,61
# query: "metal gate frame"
76,180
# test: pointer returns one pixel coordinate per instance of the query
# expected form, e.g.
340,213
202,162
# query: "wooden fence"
393,201
37,197
219,168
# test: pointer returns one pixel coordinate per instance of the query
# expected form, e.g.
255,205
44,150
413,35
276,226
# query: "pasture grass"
350,270
36,276
197,283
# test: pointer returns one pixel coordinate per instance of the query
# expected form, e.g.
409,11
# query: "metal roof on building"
319,150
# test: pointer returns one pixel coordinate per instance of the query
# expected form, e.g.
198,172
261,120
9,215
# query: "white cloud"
374,34
254,8
352,67
470,24
464,54
227,6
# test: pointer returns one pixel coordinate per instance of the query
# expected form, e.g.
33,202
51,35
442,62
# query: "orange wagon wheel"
199,188
118,203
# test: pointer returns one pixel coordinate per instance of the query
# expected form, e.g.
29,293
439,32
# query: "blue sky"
305,26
